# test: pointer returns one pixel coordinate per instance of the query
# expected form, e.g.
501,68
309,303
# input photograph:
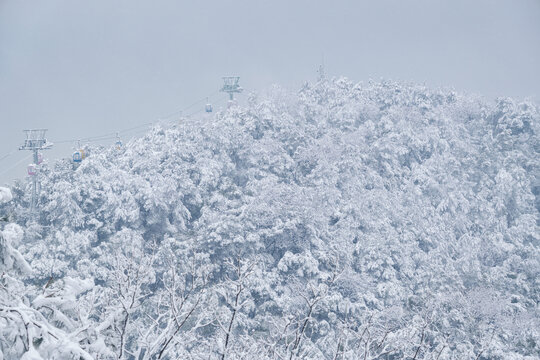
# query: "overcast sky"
86,68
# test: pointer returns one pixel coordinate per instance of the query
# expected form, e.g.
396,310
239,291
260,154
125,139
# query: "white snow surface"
5,195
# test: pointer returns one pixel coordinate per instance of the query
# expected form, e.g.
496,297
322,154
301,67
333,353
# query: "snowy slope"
343,220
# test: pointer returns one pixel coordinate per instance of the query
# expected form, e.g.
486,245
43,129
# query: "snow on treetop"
5,195
340,208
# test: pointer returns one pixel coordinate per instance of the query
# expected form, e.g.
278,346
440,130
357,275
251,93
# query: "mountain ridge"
408,211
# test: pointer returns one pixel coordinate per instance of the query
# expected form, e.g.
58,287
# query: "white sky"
85,68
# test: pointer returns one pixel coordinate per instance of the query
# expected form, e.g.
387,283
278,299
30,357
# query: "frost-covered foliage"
5,195
378,221
39,328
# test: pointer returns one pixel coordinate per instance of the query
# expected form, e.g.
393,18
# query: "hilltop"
383,220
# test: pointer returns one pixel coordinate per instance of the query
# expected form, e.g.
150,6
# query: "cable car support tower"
230,85
35,141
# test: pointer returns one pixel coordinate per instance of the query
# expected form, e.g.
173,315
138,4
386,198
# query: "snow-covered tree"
45,327
343,221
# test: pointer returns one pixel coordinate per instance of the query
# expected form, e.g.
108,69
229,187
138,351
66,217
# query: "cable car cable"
7,155
190,106
107,136
16,164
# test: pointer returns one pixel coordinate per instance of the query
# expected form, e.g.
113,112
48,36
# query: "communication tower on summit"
35,141
230,85
322,73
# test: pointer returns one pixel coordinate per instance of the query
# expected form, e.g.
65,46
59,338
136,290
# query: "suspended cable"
97,137
101,139
16,164
219,101
190,106
135,127
140,128
7,155
112,135
201,100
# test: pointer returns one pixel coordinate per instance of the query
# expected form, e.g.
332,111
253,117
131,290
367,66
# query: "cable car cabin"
208,108
118,143
40,158
32,171
78,156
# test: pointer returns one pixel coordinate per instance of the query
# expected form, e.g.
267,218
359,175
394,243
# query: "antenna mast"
35,141
230,85
322,73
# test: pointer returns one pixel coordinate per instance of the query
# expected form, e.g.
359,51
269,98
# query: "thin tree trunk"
227,336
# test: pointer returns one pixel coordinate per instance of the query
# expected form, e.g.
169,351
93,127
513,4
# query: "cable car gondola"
77,156
32,170
208,107
118,143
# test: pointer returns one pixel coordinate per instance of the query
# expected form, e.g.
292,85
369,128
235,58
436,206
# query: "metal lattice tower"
322,73
35,141
230,85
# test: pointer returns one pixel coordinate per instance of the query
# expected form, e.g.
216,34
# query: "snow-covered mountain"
344,221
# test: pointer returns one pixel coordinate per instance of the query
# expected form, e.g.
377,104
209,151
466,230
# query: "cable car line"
16,164
135,127
190,106
219,101
7,155
106,136
80,154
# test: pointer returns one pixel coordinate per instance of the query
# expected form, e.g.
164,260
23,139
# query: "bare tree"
233,294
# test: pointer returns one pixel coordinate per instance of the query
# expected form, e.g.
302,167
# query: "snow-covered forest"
341,221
